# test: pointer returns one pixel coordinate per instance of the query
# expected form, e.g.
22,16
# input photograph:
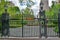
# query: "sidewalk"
30,38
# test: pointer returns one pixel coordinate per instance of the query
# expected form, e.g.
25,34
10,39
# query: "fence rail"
31,28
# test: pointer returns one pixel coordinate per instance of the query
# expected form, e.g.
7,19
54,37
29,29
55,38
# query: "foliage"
52,15
15,13
30,3
20,1
17,23
11,10
28,13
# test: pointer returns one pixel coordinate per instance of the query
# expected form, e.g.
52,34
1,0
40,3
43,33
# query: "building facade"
58,1
46,4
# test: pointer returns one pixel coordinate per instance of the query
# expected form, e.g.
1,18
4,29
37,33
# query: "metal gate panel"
31,29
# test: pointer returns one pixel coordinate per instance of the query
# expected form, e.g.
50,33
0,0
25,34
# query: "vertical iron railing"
59,22
22,24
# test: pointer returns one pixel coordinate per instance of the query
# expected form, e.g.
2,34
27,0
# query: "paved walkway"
30,31
49,38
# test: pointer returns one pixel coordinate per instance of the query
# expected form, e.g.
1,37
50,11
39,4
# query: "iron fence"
32,28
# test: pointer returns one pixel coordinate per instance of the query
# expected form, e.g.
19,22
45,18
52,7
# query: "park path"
29,31
49,38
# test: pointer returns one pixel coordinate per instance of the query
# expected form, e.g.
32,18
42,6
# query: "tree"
20,1
30,3
53,3
28,13
2,0
53,14
11,10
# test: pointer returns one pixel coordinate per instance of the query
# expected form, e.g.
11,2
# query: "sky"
16,2
35,7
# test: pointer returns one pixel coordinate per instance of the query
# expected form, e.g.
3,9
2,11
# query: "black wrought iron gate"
29,26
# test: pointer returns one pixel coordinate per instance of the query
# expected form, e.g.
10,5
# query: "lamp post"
7,19
5,6
40,12
43,32
5,22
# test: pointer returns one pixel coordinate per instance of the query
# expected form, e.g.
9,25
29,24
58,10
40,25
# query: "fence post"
59,22
22,22
45,27
39,28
